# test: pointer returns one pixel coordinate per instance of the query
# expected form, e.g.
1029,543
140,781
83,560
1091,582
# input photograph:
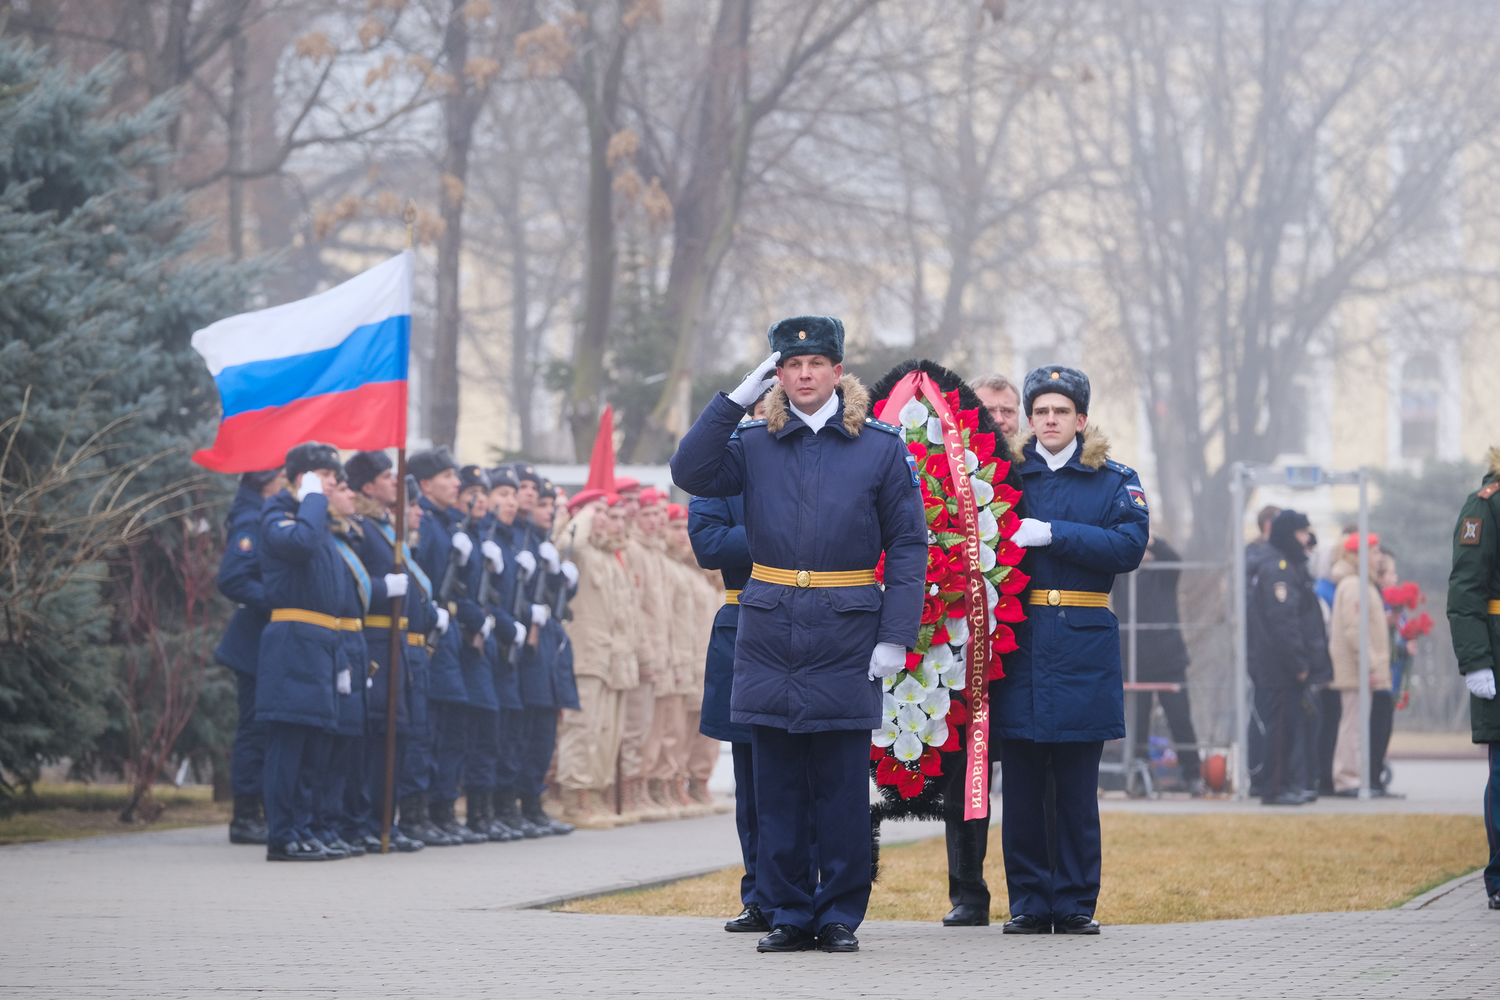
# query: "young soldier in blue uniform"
1063,694
239,580
826,489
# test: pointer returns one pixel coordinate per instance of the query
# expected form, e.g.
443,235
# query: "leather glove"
345,682
1481,683
442,621
540,613
492,552
1031,533
757,382
887,660
395,585
488,626
548,552
520,634
526,561
570,571
465,546
311,482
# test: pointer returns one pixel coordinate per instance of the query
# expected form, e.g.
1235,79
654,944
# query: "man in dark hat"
826,490
239,580
1063,694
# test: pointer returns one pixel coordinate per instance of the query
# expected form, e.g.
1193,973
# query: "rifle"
451,581
538,596
518,607
560,609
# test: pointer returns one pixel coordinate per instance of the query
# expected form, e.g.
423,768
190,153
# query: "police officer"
239,580
1473,604
1063,694
826,489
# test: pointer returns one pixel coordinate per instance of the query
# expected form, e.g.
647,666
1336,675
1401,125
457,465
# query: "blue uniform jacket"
830,501
716,527
377,551
239,580
446,680
301,568
353,604
1064,683
504,675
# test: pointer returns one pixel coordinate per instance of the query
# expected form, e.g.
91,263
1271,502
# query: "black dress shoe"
369,842
837,937
296,850
351,850
332,853
403,844
1284,799
1495,901
1075,923
788,938
750,919
967,915
1026,923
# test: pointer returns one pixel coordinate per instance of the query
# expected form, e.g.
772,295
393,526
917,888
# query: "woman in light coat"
1343,649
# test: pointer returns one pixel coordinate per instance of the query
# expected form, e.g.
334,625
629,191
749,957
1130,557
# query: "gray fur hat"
1069,382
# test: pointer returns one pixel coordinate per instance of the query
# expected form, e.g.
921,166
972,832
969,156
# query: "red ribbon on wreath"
976,678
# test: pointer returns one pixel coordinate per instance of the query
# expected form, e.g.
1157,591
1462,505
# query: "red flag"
602,461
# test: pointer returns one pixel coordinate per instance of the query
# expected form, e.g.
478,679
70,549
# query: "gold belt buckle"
804,578
1054,598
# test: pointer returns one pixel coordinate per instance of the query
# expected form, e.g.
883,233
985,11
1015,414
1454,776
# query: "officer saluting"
1473,604
1063,694
826,489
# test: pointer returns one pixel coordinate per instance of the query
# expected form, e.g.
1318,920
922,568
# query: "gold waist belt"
382,621
1494,607
317,618
1069,598
812,578
415,639
732,597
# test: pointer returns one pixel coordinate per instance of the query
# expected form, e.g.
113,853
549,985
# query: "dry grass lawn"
1166,869
73,810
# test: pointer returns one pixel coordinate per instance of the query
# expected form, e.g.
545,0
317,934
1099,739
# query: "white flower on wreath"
911,719
934,430
986,558
886,683
927,675
913,416
888,706
937,703
958,631
935,733
984,493
988,526
910,691
955,677
991,598
886,734
939,658
971,462
907,747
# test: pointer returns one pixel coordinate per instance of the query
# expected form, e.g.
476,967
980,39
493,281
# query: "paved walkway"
183,914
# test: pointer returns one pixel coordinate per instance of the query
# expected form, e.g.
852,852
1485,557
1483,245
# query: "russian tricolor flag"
329,368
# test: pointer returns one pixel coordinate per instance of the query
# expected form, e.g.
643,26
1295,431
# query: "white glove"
570,571
887,660
520,634
540,613
757,381
395,585
488,626
442,621
464,545
548,552
311,482
345,682
1031,533
526,561
1481,683
492,552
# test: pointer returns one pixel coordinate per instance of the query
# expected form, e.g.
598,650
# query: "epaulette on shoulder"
1119,467
746,426
1490,490
881,425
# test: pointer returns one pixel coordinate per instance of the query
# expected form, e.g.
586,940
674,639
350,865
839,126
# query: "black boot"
503,818
446,820
247,827
533,813
423,828
477,820
507,813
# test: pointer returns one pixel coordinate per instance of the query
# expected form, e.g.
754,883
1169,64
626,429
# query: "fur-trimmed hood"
1493,458
856,406
1095,445
373,509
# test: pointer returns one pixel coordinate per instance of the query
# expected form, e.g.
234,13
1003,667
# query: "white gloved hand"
570,571
757,381
395,585
492,552
526,561
345,682
1481,683
520,634
311,482
464,545
548,552
540,613
1031,533
488,626
887,660
442,621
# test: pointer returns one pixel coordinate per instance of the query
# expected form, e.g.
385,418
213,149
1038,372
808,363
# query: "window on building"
1421,381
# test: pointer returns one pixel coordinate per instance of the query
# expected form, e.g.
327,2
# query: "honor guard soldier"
1474,618
239,580
826,490
552,688
1063,694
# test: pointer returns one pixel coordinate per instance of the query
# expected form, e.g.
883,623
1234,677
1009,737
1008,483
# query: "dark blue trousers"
744,816
414,775
1036,888
482,750
450,742
288,793
328,776
1491,818
536,751
364,800
247,755
812,782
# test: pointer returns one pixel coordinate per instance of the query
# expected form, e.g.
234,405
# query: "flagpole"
398,635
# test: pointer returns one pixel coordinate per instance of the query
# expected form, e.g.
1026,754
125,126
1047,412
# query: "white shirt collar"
1055,462
824,412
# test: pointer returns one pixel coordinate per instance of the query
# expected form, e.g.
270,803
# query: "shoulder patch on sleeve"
881,425
1468,533
1137,495
911,463
1489,490
747,425
287,523
245,543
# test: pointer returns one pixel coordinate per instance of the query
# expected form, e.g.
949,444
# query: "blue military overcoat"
434,542
378,553
505,676
355,602
1064,682
239,580
716,527
828,502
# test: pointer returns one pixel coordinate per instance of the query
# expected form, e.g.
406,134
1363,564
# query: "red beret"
677,512
650,496
1351,544
582,497
627,485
